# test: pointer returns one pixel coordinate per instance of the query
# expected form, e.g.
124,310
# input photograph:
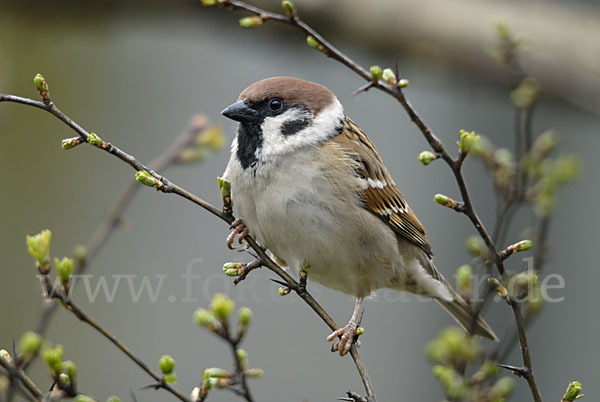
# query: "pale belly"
347,247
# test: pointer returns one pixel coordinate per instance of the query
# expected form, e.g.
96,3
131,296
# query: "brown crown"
293,91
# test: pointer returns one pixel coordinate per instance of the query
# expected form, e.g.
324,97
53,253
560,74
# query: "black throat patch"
250,138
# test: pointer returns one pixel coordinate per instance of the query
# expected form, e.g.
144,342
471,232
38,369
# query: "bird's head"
281,115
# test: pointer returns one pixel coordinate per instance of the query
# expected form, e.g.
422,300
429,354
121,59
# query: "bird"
309,185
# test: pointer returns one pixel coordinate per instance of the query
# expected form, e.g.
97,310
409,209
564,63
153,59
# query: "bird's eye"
275,104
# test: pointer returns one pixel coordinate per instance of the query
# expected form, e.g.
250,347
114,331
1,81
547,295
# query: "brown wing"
381,196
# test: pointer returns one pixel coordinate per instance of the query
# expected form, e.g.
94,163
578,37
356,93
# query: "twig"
70,305
166,186
437,146
106,229
19,374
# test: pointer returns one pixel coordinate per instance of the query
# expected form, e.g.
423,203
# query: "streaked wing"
381,196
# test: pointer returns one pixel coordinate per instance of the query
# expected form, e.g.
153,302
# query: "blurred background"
135,72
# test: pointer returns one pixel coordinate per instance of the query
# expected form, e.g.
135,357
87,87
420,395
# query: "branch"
394,88
56,293
15,372
162,184
106,229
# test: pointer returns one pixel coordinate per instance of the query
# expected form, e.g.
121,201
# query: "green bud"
69,143
445,201
284,291
544,143
525,95
521,284
222,306
170,378
487,370
389,76
503,387
573,392
403,83
475,245
252,21
166,364
441,199
464,279
305,266
536,300
40,83
233,268
376,73
232,272
94,140
242,357
83,398
70,368
80,253
113,399
64,269
426,157
503,31
453,345
467,140
39,247
244,316
452,382
225,189
146,178
53,357
360,330
216,372
209,3
312,42
211,138
288,8
255,373
523,245
503,157
205,318
63,379
30,343
192,154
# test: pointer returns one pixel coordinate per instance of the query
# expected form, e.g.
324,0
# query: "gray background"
135,75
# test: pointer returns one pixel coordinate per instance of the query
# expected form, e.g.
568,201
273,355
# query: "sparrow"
309,185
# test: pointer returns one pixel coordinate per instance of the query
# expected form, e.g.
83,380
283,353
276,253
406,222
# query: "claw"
240,231
347,335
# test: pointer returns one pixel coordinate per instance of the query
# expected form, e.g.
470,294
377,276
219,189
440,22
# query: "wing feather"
380,194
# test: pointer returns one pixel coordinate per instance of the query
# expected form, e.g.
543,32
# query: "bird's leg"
348,332
240,231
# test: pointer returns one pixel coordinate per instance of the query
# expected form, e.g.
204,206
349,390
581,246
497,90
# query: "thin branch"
70,305
455,165
166,186
16,373
106,228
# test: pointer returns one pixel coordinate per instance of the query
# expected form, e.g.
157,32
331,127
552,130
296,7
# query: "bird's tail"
463,314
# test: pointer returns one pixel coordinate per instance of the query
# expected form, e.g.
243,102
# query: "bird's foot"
347,334
240,231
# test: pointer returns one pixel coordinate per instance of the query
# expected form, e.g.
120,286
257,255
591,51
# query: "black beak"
239,111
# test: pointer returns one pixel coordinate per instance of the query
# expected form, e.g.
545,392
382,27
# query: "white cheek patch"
322,127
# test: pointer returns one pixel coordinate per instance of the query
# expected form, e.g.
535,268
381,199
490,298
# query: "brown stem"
83,316
15,372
